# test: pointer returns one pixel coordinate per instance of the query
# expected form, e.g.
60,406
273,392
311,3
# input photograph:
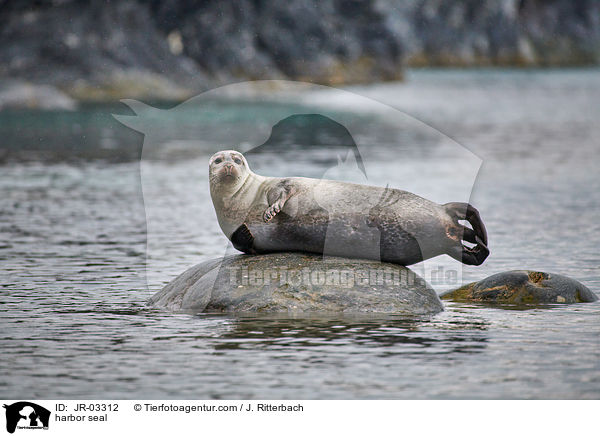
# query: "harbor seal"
270,214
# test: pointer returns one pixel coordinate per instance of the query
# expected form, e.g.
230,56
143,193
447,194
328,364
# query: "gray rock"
91,50
96,50
495,32
17,95
295,282
523,287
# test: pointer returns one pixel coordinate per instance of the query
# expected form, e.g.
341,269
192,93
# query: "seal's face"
227,168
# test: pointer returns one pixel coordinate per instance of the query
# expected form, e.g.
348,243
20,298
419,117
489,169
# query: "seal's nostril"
228,169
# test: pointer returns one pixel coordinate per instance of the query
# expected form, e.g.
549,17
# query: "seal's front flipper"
277,198
243,240
272,210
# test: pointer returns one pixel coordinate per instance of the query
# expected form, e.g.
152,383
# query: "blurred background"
513,85
54,53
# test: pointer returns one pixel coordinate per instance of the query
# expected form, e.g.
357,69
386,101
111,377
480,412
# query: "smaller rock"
523,287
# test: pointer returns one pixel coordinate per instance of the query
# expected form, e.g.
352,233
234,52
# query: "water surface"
73,235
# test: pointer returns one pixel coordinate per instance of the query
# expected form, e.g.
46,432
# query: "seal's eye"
218,160
237,160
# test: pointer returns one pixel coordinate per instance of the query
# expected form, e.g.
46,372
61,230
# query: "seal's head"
227,169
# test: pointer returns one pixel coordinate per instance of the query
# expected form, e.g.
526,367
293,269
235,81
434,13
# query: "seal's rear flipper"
470,256
478,235
243,240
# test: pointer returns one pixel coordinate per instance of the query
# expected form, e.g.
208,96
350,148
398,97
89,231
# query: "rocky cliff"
169,49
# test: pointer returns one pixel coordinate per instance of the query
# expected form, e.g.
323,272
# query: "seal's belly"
385,225
345,236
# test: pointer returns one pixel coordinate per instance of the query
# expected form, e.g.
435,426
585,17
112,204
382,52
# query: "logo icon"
26,415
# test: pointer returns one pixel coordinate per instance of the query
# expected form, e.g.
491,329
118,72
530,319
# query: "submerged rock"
294,282
523,287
